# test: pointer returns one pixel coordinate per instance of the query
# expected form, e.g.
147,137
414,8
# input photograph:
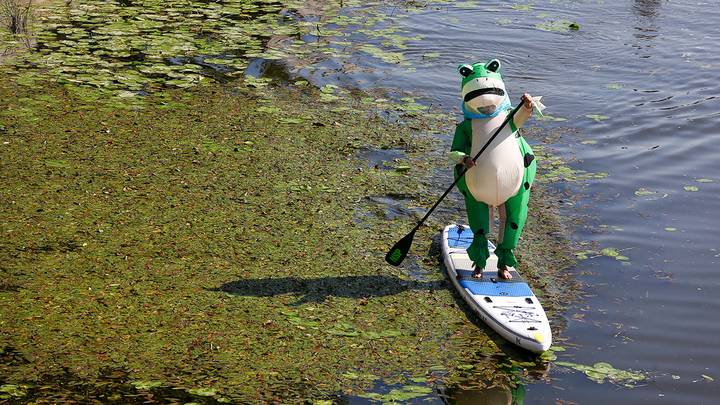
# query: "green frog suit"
503,175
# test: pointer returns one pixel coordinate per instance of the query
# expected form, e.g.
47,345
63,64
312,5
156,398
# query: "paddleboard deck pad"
507,306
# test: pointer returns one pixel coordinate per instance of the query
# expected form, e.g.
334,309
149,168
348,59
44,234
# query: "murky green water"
631,95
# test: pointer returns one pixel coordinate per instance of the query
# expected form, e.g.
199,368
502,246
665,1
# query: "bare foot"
504,273
477,273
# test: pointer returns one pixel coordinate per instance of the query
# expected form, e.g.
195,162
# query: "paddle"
400,249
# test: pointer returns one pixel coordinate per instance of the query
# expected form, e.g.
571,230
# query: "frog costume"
503,174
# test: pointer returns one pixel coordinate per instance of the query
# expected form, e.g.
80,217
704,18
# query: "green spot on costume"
503,174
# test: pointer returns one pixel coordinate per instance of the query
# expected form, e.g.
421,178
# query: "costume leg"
516,210
502,215
478,217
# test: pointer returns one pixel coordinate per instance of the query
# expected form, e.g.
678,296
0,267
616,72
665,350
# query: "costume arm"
461,143
521,117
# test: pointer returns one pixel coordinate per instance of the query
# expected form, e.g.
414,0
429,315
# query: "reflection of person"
503,175
491,396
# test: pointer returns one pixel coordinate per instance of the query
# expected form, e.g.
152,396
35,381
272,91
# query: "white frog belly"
498,172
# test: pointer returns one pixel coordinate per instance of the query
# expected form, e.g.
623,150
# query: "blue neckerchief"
471,115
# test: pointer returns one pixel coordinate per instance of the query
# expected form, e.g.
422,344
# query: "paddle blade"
398,252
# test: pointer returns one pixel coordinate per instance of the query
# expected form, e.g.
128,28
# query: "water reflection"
489,396
646,8
646,12
509,390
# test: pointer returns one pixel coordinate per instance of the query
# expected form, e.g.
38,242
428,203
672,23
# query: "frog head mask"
483,90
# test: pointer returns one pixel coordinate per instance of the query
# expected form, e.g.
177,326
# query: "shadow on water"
319,289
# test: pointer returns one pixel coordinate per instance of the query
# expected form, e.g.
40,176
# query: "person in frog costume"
502,176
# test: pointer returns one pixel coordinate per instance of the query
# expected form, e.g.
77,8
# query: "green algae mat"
214,247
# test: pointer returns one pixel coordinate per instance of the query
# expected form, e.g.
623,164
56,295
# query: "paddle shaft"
465,168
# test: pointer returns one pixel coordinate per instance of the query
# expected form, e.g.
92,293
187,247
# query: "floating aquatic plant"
601,372
597,117
403,394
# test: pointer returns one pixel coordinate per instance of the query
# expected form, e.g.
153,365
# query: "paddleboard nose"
542,340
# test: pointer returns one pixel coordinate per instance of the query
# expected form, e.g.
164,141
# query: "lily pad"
404,394
203,392
146,385
597,117
601,372
557,26
610,252
548,117
642,192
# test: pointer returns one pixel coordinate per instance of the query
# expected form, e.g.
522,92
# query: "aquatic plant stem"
400,249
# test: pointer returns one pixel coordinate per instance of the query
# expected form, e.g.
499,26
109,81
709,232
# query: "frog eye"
465,70
493,65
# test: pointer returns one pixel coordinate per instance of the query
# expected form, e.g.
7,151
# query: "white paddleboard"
507,306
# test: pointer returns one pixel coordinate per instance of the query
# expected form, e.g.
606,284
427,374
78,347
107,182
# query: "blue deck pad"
461,238
499,289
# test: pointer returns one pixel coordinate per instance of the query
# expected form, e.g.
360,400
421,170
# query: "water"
638,85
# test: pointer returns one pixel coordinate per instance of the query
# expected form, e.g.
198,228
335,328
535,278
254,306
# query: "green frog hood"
483,90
